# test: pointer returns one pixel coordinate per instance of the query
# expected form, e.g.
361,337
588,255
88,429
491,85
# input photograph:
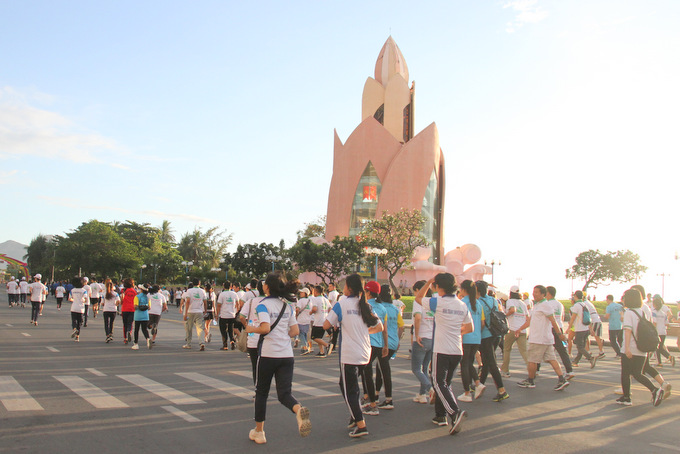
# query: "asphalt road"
58,396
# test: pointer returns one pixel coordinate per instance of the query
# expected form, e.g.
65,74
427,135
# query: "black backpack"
496,321
647,337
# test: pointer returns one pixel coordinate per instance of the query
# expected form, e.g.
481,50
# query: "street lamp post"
186,268
493,263
140,272
155,265
375,251
273,258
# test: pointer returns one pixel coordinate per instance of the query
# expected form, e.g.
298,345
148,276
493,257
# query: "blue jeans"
420,364
304,329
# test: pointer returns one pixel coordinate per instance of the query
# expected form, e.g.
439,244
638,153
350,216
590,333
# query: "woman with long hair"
471,343
357,321
275,359
142,315
110,308
127,308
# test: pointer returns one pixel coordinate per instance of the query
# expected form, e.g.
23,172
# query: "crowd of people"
453,325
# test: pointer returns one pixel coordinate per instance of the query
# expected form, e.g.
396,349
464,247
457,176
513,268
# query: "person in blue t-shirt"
395,327
379,348
614,313
471,343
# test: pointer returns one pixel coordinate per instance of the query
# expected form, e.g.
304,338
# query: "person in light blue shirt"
614,313
395,327
471,342
379,349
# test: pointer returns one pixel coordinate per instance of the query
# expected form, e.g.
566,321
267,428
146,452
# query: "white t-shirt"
178,295
594,316
227,302
558,311
529,304
110,303
577,310
540,326
333,297
304,317
450,314
661,319
249,312
426,320
195,297
355,346
37,289
276,343
59,292
156,302
13,288
166,294
519,317
23,287
240,294
399,305
630,321
321,303
88,291
95,290
79,296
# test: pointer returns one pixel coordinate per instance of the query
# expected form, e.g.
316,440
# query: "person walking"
77,297
209,315
142,316
158,304
275,359
560,348
516,312
614,314
394,324
59,293
489,343
225,312
127,308
37,292
110,309
248,317
378,349
304,318
421,347
195,304
661,315
319,309
582,330
471,343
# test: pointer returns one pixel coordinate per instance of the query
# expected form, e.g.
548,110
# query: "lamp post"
493,263
140,272
375,251
155,265
186,268
273,258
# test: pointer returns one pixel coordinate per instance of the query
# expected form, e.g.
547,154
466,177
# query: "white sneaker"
480,390
465,398
257,437
148,343
619,391
420,399
135,347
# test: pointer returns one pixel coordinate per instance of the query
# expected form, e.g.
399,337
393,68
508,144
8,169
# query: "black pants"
253,353
109,317
468,371
227,330
580,339
383,374
76,321
144,324
59,300
87,309
443,367
616,340
367,374
35,310
488,350
282,370
634,366
562,351
349,386
128,318
662,350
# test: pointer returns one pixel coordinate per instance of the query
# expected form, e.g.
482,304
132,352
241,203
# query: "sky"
558,120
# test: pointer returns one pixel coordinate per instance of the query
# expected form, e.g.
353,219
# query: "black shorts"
318,332
208,316
154,319
95,300
597,329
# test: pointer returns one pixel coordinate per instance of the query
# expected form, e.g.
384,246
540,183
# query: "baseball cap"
304,290
372,286
142,287
514,289
38,276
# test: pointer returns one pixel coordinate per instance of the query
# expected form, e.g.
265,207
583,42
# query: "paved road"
58,396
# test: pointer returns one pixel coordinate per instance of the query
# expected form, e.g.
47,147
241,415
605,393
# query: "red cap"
372,286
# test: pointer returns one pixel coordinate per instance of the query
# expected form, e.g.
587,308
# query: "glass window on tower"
430,212
366,199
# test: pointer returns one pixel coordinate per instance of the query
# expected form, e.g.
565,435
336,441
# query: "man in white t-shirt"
13,292
560,348
516,312
304,318
195,303
227,306
59,292
332,294
23,291
37,291
541,322
320,307
581,330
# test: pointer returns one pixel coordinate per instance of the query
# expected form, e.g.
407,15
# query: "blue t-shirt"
475,337
488,304
392,325
379,309
615,310
141,300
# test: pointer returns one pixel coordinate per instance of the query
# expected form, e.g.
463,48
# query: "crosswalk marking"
220,385
52,349
95,372
335,380
96,396
182,414
297,387
173,395
9,324
14,397
26,334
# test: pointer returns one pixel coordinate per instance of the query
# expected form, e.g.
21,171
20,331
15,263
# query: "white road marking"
26,334
14,397
9,324
297,387
173,395
182,414
665,446
52,349
220,385
95,372
94,395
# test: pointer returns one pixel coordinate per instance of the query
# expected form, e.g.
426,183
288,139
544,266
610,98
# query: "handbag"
242,338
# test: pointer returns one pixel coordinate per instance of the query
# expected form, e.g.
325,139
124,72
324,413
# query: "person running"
378,349
275,359
127,308
88,289
142,316
582,330
110,308
195,305
421,347
209,315
471,342
23,291
97,290
357,321
633,360
304,318
319,310
59,293
489,343
37,292
614,314
394,324
661,316
595,327
225,312
516,312
452,321
248,317
157,305
77,297
541,342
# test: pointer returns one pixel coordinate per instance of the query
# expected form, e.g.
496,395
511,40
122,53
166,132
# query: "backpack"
497,322
647,337
586,315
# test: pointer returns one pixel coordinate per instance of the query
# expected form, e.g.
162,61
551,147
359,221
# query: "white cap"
86,279
38,276
514,289
304,290
23,278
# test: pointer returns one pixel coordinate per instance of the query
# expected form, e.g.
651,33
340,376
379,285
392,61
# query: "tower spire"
390,61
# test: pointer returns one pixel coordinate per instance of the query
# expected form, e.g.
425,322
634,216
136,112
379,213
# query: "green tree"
40,255
597,268
399,234
313,229
204,248
253,260
329,261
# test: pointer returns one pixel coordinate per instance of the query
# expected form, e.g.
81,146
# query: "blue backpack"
586,315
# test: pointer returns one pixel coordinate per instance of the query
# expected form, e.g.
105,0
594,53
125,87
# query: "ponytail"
109,289
471,290
356,286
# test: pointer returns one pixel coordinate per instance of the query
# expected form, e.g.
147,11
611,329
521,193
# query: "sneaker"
658,365
74,333
666,390
371,411
573,364
188,347
359,432
386,405
420,399
306,352
85,325
623,400
505,374
351,424
619,391
432,397
129,337
465,398
296,343
108,339
148,343
569,376
501,397
561,384
320,355
257,437
657,397
672,360
135,347
224,348
601,355
440,421
480,390
304,424
456,422
526,384
233,345
208,337
593,361
77,338
202,347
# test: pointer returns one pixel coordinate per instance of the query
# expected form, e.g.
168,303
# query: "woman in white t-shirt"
248,317
209,316
661,316
356,320
110,309
277,326
158,304
633,360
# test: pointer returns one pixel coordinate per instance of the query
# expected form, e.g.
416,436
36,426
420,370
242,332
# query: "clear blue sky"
558,120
